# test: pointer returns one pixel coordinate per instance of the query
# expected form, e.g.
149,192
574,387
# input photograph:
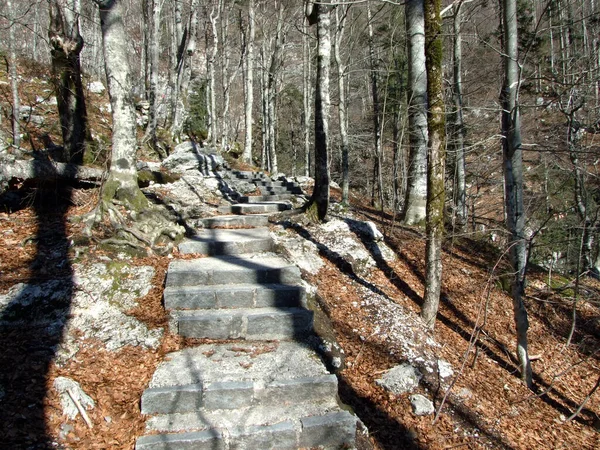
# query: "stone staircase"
262,386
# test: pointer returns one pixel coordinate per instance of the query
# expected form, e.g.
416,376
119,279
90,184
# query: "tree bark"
320,196
416,193
154,13
460,186
122,178
14,78
306,95
211,59
436,159
249,84
513,179
66,45
340,18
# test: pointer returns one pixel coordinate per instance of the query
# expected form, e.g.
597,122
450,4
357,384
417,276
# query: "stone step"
327,431
265,198
244,323
234,221
232,269
280,190
230,395
254,208
228,242
234,296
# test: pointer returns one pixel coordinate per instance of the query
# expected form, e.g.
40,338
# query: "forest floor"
489,406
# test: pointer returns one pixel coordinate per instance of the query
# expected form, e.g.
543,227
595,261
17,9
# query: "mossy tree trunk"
122,178
66,45
436,158
319,13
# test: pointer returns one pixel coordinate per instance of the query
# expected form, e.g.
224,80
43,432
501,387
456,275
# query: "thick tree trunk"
416,192
249,84
14,78
460,186
513,179
153,56
122,178
340,17
66,45
47,170
320,197
436,159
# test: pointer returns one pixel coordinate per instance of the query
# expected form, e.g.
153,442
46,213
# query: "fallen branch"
80,408
46,170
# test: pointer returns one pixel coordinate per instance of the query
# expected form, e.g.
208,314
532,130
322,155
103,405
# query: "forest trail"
261,384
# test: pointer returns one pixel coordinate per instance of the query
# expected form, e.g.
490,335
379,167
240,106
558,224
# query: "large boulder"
190,156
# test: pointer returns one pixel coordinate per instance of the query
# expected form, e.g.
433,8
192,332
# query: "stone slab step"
228,242
231,269
234,221
265,198
229,395
244,323
329,431
279,190
234,296
248,416
254,208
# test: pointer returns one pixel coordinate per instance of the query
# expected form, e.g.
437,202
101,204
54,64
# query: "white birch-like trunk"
212,95
154,56
249,85
306,95
513,178
416,192
340,18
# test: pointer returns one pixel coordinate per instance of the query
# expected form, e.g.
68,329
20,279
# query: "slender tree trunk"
249,85
436,159
272,75
66,45
14,78
377,169
320,199
122,179
306,95
416,193
211,59
340,17
513,178
460,188
153,56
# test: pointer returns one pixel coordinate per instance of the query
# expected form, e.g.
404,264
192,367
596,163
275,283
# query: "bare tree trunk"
306,95
436,160
211,58
67,43
460,187
377,169
416,193
14,78
122,179
340,18
513,178
153,56
272,75
249,84
319,13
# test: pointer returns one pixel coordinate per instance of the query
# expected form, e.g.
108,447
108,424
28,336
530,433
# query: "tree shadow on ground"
464,327
32,324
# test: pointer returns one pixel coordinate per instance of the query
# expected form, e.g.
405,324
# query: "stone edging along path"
266,388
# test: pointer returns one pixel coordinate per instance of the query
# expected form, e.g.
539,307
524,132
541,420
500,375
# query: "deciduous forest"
468,131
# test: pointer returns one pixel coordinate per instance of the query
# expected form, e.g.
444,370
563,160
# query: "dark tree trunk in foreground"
436,159
513,179
320,14
66,45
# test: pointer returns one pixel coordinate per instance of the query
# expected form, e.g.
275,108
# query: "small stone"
445,368
421,405
401,379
